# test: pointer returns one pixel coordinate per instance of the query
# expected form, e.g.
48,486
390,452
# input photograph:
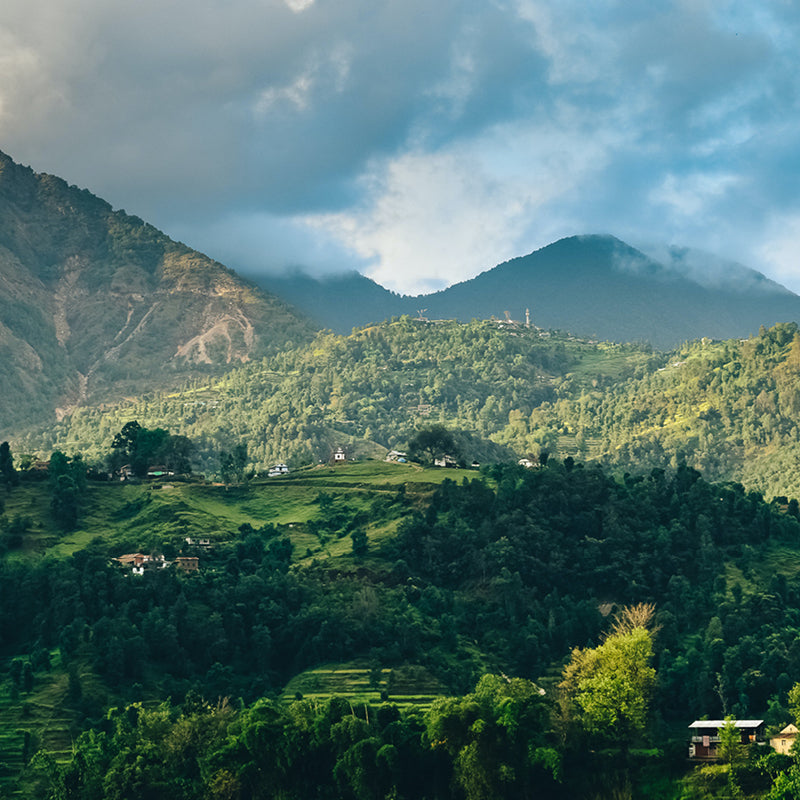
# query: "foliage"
432,442
509,570
144,448
372,390
67,478
8,475
608,688
726,408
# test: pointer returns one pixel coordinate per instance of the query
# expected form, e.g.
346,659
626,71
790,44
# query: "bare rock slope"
96,304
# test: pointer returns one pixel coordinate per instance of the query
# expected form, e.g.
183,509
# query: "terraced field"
406,686
41,720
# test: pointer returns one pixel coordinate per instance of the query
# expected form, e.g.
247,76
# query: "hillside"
728,408
593,286
369,391
96,304
506,573
340,302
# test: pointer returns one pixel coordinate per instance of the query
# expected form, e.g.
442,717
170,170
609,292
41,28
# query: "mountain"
340,302
600,286
95,303
593,286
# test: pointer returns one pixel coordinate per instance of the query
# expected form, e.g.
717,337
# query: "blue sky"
419,142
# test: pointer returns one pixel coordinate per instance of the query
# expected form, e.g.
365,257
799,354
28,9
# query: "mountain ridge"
591,284
98,302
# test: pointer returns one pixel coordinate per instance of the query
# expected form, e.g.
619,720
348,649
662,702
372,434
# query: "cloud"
463,208
424,141
780,249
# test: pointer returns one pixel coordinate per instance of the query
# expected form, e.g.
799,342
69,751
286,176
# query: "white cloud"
691,196
299,5
780,249
296,94
432,219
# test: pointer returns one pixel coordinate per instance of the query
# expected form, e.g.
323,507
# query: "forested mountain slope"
727,408
370,391
96,304
506,573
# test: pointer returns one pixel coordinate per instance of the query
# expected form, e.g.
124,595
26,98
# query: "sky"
418,142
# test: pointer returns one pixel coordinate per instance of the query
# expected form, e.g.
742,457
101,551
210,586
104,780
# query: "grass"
147,516
611,360
408,686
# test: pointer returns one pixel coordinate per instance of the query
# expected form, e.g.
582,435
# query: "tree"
8,474
497,738
431,443
67,481
607,689
360,542
125,441
146,447
232,465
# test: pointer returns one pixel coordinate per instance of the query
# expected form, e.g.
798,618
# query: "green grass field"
147,516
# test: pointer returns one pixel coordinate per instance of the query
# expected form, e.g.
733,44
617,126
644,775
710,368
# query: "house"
278,469
704,738
188,563
782,743
137,563
203,544
445,461
396,456
339,455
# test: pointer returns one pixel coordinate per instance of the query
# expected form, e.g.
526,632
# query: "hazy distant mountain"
339,302
95,303
600,286
589,285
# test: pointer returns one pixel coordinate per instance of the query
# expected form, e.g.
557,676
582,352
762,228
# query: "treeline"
505,739
493,743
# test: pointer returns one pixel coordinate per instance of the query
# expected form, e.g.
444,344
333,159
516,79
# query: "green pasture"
610,360
149,515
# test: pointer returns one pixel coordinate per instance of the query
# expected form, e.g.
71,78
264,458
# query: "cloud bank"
418,142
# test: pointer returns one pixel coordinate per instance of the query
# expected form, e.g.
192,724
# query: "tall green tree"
607,689
8,474
432,442
67,484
